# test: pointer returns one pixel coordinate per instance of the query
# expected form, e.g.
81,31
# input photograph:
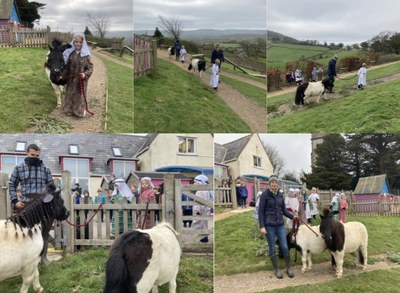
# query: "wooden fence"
12,36
375,208
97,233
145,57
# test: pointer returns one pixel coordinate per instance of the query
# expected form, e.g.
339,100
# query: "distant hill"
127,35
274,36
215,34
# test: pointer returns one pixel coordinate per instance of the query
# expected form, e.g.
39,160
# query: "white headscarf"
201,179
124,189
84,50
148,180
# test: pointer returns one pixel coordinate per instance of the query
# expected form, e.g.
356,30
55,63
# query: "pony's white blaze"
309,244
20,255
164,263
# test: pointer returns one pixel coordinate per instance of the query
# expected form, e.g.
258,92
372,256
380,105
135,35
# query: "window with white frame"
187,145
8,162
220,171
121,168
80,171
257,161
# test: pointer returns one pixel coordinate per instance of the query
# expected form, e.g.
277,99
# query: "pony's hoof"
364,268
303,271
58,105
40,290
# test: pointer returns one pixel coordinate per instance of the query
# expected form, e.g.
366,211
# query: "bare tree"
99,23
171,25
277,161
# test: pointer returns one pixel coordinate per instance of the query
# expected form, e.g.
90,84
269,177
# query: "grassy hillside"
279,54
25,90
171,100
120,98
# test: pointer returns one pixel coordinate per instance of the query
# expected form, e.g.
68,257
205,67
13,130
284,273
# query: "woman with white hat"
270,218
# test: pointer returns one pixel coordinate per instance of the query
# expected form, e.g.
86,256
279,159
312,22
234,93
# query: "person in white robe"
314,198
362,76
182,54
215,74
292,205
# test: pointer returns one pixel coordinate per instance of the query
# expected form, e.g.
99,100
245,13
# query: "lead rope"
83,93
91,218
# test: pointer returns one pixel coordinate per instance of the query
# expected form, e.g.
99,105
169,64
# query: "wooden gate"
14,36
145,56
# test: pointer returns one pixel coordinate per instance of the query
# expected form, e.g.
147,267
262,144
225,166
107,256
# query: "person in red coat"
343,207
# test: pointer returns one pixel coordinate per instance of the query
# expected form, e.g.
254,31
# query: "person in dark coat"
217,54
332,71
177,47
272,208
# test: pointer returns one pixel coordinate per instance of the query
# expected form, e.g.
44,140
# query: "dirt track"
263,281
248,110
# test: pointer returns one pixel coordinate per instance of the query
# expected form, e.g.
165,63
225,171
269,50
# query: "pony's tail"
190,66
117,275
361,258
299,95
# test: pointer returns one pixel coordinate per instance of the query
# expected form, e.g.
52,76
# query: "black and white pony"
308,89
197,65
55,67
142,260
351,237
171,51
21,238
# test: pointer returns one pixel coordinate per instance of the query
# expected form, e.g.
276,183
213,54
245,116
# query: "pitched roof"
219,153
149,139
371,184
5,9
96,146
234,148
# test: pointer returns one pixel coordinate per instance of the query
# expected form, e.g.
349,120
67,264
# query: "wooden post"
234,197
5,204
178,210
69,204
154,45
168,211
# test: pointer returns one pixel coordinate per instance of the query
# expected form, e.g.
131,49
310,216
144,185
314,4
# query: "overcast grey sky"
337,21
195,14
294,148
70,15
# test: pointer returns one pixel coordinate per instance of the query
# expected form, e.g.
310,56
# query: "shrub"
273,78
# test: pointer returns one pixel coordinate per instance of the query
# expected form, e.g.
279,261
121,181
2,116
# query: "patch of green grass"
375,281
85,272
172,100
120,98
238,247
25,90
255,93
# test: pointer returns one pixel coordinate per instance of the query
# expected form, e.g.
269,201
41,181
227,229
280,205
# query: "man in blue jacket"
332,71
271,211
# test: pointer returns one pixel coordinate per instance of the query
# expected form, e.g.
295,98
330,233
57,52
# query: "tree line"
342,159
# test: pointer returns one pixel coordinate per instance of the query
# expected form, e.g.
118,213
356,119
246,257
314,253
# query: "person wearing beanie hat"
332,71
272,208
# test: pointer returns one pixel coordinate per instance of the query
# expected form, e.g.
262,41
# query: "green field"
172,100
370,110
120,98
25,90
236,243
254,93
85,272
279,54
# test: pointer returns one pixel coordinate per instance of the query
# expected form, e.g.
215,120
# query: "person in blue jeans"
271,211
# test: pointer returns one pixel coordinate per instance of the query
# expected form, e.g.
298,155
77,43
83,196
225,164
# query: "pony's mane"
326,211
35,212
56,43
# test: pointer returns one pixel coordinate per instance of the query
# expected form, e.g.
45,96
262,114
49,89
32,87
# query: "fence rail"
13,36
145,57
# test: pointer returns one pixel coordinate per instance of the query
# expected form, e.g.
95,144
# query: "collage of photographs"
199,146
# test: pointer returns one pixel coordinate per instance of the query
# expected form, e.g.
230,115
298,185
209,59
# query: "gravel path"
263,281
344,75
96,96
248,110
